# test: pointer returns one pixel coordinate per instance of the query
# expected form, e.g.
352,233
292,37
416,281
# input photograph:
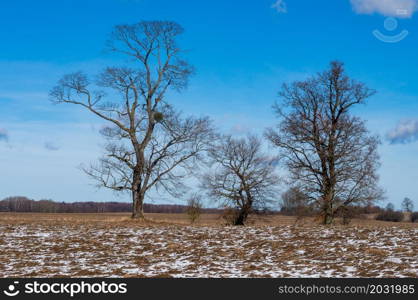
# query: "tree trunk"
242,215
328,218
137,195
240,219
328,212
138,205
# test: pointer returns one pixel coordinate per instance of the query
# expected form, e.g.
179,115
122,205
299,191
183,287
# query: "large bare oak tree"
149,143
328,151
242,176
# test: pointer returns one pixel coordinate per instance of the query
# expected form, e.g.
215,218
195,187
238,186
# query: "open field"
110,245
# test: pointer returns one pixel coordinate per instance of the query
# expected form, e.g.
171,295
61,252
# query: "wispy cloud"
388,8
280,6
405,132
4,136
51,146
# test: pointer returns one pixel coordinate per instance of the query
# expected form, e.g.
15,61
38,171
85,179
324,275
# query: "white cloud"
388,8
405,132
280,6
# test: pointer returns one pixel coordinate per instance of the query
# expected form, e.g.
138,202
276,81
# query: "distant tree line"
23,204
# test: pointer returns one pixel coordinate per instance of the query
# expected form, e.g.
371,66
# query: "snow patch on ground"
88,250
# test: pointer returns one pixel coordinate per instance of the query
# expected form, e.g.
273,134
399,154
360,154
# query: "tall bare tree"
242,177
148,140
407,205
328,152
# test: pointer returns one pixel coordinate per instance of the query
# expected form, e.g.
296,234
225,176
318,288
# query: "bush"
414,217
348,214
390,216
229,215
194,208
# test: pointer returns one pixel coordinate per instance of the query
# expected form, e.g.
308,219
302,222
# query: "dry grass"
179,219
112,245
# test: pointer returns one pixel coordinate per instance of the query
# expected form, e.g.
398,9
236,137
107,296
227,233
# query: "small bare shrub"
229,215
414,217
347,214
194,208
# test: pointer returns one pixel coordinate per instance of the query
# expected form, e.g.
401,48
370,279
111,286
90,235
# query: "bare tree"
390,207
407,205
194,208
327,151
242,177
147,140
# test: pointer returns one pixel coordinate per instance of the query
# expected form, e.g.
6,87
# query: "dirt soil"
112,245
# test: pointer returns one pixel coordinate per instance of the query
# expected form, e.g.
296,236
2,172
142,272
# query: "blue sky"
242,50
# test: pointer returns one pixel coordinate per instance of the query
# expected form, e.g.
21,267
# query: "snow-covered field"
124,250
